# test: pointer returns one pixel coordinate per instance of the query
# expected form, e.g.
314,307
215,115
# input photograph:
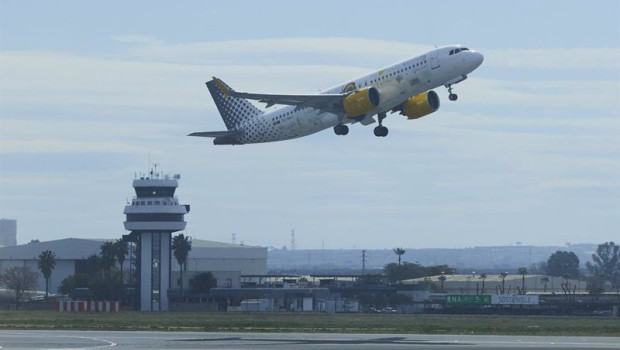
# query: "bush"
202,282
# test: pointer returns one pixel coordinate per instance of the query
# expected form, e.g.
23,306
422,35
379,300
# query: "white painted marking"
108,344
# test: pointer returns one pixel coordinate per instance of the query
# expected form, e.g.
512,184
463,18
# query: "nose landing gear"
452,96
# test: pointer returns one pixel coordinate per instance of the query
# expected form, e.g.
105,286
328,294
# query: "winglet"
225,90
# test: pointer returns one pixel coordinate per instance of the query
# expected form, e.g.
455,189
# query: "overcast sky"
90,90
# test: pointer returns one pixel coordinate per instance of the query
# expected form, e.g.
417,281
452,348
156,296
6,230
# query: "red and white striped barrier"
88,306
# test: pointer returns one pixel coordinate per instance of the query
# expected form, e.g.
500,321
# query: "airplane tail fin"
233,110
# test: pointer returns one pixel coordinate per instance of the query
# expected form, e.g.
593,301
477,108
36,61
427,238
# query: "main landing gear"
341,129
451,97
381,131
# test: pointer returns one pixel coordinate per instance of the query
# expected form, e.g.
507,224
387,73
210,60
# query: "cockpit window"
455,51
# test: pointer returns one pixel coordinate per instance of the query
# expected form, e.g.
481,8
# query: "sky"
92,92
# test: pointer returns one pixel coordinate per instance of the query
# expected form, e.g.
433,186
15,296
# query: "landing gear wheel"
452,97
377,131
381,131
384,131
341,129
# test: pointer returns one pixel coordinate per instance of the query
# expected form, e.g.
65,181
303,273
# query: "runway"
195,340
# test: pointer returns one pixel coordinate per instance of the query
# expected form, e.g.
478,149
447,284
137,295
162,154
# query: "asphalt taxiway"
27,339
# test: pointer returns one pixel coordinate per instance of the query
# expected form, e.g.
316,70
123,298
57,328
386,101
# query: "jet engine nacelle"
361,101
420,105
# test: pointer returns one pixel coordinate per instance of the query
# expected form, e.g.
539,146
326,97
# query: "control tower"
152,216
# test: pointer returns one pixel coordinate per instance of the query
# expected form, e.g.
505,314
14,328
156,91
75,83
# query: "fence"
88,306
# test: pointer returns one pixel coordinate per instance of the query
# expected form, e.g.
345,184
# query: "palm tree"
442,279
121,249
400,252
522,271
483,276
503,277
47,262
181,245
108,255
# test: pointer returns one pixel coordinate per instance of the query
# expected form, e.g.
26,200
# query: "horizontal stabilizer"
229,133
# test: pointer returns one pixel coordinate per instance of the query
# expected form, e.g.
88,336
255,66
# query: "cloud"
580,59
64,147
302,51
44,78
505,147
366,53
137,39
575,95
578,184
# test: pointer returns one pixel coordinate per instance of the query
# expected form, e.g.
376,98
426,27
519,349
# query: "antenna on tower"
364,262
293,245
154,171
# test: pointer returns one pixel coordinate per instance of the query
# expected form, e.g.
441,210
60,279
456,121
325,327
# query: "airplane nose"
478,58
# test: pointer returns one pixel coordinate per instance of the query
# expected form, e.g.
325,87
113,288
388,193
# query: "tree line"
603,270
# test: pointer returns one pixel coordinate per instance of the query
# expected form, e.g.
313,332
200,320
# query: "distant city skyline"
93,91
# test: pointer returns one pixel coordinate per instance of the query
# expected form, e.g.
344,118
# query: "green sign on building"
464,299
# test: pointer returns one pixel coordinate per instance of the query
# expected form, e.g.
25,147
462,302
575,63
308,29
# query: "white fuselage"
395,83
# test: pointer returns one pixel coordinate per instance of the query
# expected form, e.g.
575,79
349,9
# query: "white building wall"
248,261
233,261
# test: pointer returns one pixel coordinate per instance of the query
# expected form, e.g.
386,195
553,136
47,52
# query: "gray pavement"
276,341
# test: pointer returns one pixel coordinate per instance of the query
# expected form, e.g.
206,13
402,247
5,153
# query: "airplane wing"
230,137
326,102
230,133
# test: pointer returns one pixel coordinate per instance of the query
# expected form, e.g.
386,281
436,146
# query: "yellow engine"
420,105
361,101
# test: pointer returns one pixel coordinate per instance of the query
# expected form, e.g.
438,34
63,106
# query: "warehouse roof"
68,248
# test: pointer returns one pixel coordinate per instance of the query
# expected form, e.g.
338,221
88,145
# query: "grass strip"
313,323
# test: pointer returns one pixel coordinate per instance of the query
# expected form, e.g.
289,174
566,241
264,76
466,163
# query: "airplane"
404,87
